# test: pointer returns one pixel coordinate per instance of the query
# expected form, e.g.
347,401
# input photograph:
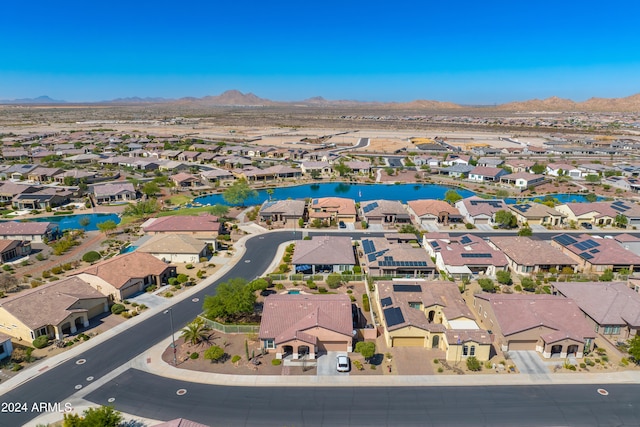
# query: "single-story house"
523,180
219,177
6,346
125,275
527,256
384,212
537,214
285,212
549,324
303,326
184,180
457,171
477,210
114,192
433,212
384,257
419,313
328,209
486,174
612,308
324,254
601,213
181,248
563,169
54,309
322,168
204,227
14,249
596,255
32,231
44,198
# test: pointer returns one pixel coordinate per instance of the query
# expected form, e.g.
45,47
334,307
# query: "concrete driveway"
529,362
327,364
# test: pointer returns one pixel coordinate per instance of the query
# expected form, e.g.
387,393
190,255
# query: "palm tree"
195,332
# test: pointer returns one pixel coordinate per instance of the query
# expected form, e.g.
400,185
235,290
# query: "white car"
343,363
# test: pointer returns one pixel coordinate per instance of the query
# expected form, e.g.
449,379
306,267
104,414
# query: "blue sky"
465,52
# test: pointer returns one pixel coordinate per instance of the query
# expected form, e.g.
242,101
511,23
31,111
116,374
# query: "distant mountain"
136,100
230,98
39,100
630,103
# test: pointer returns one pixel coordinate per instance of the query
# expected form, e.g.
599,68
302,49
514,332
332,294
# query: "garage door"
408,341
332,346
481,221
522,345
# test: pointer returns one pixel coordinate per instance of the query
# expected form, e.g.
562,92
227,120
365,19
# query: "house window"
415,305
269,344
465,350
472,350
611,330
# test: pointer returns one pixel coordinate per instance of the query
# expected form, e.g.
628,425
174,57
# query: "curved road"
144,394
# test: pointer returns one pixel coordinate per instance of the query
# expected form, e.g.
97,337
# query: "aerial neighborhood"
444,256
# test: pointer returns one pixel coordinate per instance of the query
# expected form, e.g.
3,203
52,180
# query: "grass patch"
62,213
186,211
179,199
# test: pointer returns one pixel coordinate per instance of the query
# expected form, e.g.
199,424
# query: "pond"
361,192
66,222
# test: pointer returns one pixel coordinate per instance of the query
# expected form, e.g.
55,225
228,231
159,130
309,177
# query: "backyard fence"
230,329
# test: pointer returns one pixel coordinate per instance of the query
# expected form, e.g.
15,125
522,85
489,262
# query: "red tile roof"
183,223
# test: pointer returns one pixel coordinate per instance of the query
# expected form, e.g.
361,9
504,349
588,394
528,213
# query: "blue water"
128,249
294,292
359,192
66,222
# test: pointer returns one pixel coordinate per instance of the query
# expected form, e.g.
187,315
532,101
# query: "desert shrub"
194,356
46,274
57,270
67,266
352,298
571,367
172,281
117,308
469,226
35,283
188,266
182,278
473,364
168,294
200,274
41,342
358,365
235,359
440,370
366,306
276,362
126,315
436,361
583,366
150,288
91,256
40,257
16,367
322,289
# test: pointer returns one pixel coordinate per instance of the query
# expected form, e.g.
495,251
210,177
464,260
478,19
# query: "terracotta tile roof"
118,270
51,303
516,313
432,207
112,189
287,316
10,228
465,250
478,206
284,207
462,336
526,251
166,224
604,209
173,243
330,250
183,177
487,171
597,251
533,210
608,303
339,205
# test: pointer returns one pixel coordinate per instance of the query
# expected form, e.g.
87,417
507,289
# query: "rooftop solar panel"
586,255
592,243
473,255
386,301
465,240
393,316
407,288
594,251
371,257
565,239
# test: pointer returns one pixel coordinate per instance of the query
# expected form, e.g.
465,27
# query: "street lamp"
173,339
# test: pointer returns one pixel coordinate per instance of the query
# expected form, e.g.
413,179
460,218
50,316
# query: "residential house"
386,212
185,180
47,197
596,255
303,326
36,232
424,160
528,257
537,214
125,275
324,254
175,248
284,212
277,172
9,190
386,257
359,167
456,159
602,213
54,309
486,174
43,175
519,165
204,227
464,256
76,176
430,314
189,156
523,180
6,346
218,177
478,211
323,169
431,213
11,250
457,171
114,192
490,162
551,325
17,172
328,209
563,169
612,308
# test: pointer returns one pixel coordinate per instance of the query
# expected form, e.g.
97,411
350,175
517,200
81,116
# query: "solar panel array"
370,207
393,316
403,263
586,255
407,288
368,246
435,244
586,245
474,255
522,208
619,206
565,239
385,302
493,203
465,240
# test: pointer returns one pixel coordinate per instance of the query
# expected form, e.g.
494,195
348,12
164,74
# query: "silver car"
343,363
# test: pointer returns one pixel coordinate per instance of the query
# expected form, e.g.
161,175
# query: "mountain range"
239,99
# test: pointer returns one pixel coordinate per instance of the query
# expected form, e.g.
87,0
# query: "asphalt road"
559,405
56,384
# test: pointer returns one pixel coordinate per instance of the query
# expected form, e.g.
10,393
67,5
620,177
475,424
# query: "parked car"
341,224
343,363
586,225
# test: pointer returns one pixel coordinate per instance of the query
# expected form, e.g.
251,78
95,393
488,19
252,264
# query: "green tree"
219,210
634,347
592,179
538,168
142,208
270,192
487,285
607,275
150,189
366,348
239,192
591,197
342,169
528,284
214,353
260,284
232,300
300,222
502,194
473,364
315,173
107,226
621,221
84,221
452,196
525,231
195,332
104,416
334,280
505,219
504,277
